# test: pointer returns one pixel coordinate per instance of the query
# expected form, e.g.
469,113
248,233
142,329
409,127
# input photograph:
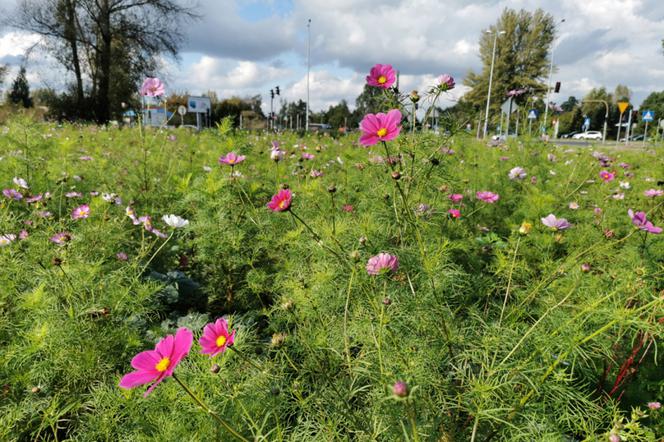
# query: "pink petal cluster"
60,238
383,262
231,159
454,213
81,212
382,75
556,223
487,197
606,175
639,220
281,201
456,198
652,193
153,366
380,127
446,82
216,338
152,87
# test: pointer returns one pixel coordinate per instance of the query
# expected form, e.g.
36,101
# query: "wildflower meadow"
385,284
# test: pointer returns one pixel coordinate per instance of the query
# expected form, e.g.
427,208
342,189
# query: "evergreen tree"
20,92
522,58
570,104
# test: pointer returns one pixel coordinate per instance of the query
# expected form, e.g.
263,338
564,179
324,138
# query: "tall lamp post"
488,95
306,121
548,88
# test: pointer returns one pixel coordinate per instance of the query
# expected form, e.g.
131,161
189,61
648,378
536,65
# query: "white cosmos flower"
7,239
20,182
625,185
175,221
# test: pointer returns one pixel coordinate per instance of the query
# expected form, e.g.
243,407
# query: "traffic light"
557,88
277,88
271,93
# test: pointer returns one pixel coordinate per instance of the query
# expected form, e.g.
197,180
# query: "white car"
589,135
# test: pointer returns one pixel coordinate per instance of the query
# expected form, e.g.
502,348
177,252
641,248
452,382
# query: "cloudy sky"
246,47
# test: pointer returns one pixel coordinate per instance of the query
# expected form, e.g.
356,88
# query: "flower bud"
332,188
285,186
355,255
525,228
585,267
387,301
35,390
362,240
434,161
278,340
215,369
400,389
396,175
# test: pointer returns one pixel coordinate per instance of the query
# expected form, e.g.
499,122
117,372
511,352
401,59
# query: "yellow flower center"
382,79
162,365
282,204
381,132
221,340
231,161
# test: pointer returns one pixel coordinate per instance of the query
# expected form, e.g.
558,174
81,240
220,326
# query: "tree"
655,103
622,93
109,45
522,58
569,104
20,91
3,72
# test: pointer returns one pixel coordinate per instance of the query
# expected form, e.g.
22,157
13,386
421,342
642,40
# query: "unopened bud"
215,369
332,188
400,389
387,301
396,175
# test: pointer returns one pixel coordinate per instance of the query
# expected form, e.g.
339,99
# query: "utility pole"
306,124
488,95
548,88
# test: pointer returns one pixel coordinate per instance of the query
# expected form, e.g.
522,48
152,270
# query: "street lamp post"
488,95
306,123
548,88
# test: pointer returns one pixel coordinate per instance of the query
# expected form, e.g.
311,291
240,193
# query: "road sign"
182,110
586,124
508,106
648,116
532,114
622,106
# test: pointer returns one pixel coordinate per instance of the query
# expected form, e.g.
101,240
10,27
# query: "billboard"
199,105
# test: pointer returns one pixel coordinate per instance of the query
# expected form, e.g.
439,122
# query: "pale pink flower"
382,263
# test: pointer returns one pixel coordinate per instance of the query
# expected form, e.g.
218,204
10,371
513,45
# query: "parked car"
633,138
589,135
569,135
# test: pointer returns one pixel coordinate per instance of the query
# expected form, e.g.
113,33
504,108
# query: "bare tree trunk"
102,104
71,36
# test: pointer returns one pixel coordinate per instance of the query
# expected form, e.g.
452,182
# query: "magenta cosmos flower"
158,364
60,238
381,75
152,87
487,197
639,220
456,198
81,212
231,159
454,213
216,338
556,223
281,201
446,82
652,193
606,175
380,127
382,263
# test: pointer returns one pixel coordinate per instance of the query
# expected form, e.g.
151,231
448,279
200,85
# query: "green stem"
207,409
346,340
413,421
157,252
245,357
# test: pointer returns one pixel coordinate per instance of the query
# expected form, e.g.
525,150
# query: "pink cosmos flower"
606,175
12,194
487,197
281,201
347,208
556,223
158,364
380,127
85,158
20,182
276,154
231,159
456,198
382,263
216,338
446,82
454,213
34,198
652,193
73,194
381,75
573,205
654,405
121,256
307,156
316,173
60,238
152,87
639,220
80,212
23,234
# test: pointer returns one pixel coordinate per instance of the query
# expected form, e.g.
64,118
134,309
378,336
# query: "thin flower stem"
245,357
317,237
509,281
413,421
157,252
346,340
207,409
